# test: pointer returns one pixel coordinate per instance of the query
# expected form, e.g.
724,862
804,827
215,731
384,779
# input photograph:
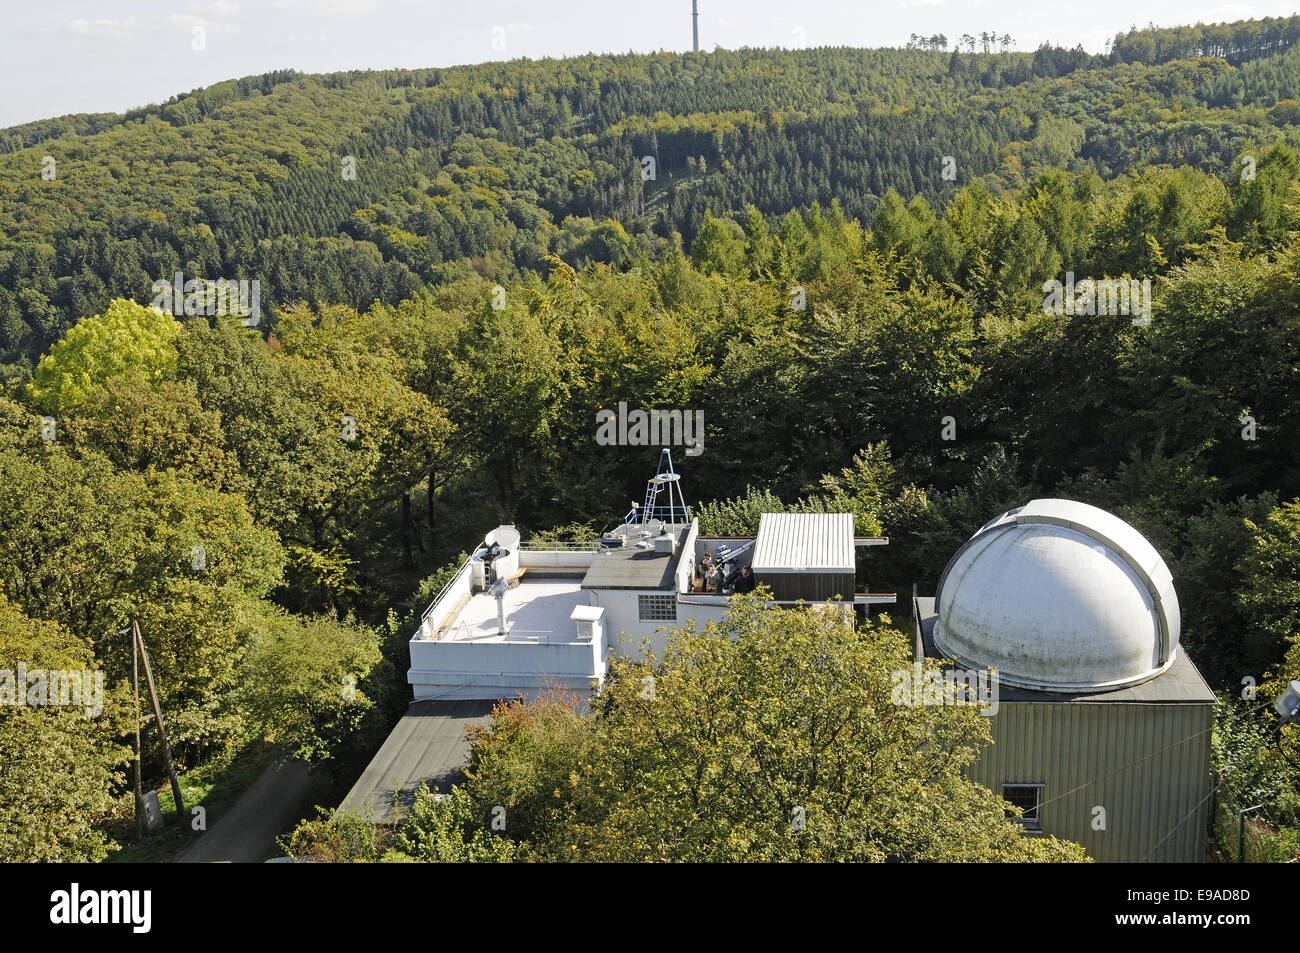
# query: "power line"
1196,807
1238,713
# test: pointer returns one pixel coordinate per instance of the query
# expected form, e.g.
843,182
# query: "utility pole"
157,713
139,795
695,23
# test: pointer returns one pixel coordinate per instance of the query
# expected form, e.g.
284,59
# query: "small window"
659,607
1027,797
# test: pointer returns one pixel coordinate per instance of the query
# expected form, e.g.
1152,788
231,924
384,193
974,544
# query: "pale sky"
71,56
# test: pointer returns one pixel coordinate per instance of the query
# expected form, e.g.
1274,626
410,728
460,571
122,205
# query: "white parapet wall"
491,670
448,603
575,559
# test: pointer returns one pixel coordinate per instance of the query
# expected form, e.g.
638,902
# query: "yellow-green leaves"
126,337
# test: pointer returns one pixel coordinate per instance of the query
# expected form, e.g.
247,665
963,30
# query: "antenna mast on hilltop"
695,23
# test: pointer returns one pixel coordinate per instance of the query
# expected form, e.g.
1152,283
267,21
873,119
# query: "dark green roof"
427,745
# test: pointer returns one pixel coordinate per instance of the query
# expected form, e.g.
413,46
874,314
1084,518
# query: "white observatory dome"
1059,596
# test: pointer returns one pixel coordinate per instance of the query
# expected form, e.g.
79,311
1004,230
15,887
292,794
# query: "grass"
214,787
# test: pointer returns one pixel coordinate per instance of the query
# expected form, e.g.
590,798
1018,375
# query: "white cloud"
132,26
105,28
218,8
329,8
1240,11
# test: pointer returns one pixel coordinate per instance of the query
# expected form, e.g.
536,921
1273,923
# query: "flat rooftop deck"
537,610
631,567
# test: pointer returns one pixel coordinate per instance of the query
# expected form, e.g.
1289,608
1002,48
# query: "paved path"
246,833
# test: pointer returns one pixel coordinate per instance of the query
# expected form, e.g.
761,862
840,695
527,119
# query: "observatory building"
1101,733
1101,727
518,618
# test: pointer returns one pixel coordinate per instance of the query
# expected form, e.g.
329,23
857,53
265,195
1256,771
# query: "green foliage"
126,337
447,830
488,169
739,516
302,679
1253,773
839,300
771,737
61,761
716,248
335,837
142,427
1270,590
860,489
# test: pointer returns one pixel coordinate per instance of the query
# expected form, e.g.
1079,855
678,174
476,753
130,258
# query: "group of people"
709,576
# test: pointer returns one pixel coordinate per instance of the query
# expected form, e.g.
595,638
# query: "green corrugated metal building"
1141,754
1101,728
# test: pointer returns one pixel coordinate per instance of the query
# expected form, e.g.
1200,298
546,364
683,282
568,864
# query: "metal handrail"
637,515
530,547
442,592
566,547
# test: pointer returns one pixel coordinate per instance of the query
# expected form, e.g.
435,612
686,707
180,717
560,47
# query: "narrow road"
247,832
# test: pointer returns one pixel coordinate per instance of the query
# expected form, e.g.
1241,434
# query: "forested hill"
490,168
459,269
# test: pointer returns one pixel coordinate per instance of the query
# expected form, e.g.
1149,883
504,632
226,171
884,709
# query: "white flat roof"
537,610
804,542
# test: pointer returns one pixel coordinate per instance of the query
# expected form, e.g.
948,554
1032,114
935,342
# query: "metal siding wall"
1089,755
809,586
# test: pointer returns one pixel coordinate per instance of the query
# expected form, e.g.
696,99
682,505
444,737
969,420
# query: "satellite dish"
654,526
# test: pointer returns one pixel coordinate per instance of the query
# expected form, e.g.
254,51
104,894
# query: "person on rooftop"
700,573
746,581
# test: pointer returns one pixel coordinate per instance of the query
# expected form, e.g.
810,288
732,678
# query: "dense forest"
356,187
840,255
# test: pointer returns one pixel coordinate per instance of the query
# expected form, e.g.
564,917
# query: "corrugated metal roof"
804,542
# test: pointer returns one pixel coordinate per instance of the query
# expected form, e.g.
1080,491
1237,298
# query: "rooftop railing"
568,546
464,568
660,511
564,547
